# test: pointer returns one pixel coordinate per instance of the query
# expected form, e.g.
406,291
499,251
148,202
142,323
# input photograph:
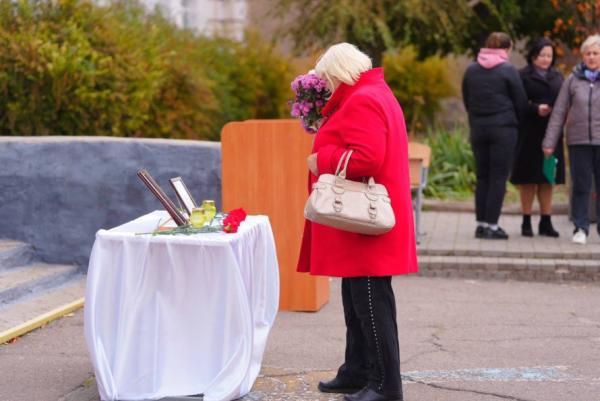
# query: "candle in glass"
198,217
209,209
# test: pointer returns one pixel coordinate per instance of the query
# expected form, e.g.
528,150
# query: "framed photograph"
169,206
183,194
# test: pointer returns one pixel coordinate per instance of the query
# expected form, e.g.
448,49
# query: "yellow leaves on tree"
581,17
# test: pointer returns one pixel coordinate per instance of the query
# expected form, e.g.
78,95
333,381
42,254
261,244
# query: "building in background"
208,17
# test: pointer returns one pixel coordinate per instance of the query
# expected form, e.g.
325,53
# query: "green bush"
70,67
452,168
252,78
419,85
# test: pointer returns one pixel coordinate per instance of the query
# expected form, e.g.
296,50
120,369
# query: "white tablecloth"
180,315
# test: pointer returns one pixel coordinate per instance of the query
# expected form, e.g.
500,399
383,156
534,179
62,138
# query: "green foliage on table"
214,226
71,67
452,168
419,85
186,230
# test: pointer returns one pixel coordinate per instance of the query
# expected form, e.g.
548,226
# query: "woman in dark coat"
542,83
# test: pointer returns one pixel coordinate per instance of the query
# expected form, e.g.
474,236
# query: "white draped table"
180,315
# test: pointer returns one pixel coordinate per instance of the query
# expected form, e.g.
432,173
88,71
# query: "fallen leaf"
69,315
14,340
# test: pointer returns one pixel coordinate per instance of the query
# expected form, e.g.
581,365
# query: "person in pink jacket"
495,100
364,116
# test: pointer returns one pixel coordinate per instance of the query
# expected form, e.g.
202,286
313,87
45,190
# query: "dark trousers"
372,349
493,148
585,162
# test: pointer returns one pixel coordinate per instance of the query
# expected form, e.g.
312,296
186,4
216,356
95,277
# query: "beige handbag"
358,207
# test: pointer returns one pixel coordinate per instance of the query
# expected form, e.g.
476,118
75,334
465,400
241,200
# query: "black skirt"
529,160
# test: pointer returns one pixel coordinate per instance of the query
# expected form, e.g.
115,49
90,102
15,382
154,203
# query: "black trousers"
585,163
372,350
493,148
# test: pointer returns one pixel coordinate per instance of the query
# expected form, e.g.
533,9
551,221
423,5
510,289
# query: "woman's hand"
544,110
312,164
547,152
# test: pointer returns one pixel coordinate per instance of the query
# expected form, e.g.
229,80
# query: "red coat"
367,118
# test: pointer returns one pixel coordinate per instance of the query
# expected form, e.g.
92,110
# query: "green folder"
549,169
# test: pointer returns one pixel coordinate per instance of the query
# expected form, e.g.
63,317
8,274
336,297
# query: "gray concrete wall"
57,192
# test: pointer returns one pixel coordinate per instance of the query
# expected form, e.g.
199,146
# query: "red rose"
233,220
238,214
231,229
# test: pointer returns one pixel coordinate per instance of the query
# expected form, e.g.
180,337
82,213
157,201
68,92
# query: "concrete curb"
38,285
40,320
522,269
434,205
466,250
19,255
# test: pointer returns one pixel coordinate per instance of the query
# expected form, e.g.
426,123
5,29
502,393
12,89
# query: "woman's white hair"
342,62
590,41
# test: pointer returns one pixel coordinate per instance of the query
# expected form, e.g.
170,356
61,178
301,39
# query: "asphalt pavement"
459,340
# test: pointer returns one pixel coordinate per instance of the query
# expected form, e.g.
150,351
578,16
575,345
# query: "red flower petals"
233,220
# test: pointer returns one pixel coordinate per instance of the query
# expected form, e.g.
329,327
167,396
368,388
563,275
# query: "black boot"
526,230
546,227
341,386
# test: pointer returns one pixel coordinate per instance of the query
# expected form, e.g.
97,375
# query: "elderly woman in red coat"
363,115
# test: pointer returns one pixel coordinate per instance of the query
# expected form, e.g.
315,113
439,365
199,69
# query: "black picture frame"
169,206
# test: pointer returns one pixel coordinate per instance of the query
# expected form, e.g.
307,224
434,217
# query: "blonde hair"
342,62
590,41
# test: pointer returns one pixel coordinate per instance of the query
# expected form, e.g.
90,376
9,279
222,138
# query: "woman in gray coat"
579,99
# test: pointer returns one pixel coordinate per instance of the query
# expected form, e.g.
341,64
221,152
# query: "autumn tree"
575,21
374,25
431,26
521,19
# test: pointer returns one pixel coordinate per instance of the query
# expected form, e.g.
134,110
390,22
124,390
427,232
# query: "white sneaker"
579,237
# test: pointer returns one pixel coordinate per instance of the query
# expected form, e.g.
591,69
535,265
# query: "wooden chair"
419,156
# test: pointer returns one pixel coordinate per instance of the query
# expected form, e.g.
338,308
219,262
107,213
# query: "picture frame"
183,194
169,206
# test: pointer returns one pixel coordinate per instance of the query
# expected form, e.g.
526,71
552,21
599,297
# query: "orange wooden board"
264,171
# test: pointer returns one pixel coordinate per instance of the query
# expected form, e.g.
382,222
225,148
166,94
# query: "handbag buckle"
373,210
337,204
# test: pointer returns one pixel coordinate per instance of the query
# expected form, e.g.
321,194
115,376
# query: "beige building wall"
208,17
270,27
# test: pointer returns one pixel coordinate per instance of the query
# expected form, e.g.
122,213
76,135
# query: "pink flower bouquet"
311,97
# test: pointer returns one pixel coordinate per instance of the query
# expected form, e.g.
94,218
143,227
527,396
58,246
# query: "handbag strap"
347,155
370,183
339,166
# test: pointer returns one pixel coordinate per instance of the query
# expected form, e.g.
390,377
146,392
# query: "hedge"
71,67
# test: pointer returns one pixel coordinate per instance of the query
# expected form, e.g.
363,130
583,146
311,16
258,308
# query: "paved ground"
460,340
454,234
